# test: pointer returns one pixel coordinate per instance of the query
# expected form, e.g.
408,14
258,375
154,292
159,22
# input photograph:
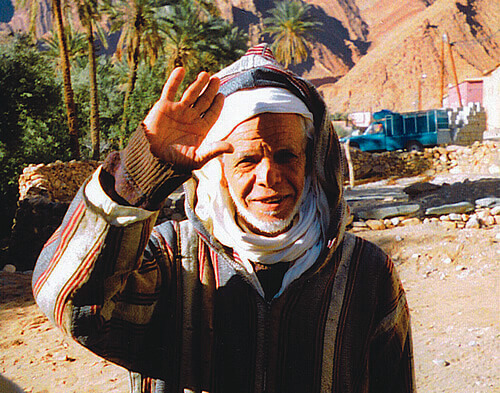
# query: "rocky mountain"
409,54
374,54
16,18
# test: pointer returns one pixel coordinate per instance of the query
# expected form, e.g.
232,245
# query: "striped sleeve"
94,278
90,227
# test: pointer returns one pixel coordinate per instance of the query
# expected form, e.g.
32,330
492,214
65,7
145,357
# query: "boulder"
488,202
410,222
375,225
460,207
390,211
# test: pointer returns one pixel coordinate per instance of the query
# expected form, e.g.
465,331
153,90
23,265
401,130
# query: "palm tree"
184,30
140,38
89,15
75,42
33,8
198,39
74,144
80,44
290,26
225,42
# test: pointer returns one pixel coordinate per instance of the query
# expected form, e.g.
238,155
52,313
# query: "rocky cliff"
20,20
410,54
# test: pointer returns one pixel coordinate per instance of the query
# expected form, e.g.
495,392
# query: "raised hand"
176,129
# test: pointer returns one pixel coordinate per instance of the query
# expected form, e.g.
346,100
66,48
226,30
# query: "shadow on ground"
425,194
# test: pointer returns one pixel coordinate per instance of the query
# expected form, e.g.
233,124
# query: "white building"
491,98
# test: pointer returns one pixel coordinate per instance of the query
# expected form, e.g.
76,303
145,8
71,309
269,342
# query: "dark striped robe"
189,317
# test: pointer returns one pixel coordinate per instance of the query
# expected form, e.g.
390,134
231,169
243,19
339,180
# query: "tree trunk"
132,77
68,90
94,100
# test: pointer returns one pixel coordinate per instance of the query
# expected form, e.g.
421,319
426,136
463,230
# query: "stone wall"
480,157
58,181
388,164
45,192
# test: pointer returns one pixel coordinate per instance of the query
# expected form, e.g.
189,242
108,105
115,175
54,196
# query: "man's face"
265,173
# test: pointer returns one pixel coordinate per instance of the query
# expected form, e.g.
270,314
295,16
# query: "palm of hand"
175,130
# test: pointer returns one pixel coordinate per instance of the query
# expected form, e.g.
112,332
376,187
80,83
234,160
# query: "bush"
32,120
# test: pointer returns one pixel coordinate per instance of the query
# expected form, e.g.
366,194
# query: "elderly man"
260,289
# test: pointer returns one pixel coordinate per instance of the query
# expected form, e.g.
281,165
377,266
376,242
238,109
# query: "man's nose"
267,174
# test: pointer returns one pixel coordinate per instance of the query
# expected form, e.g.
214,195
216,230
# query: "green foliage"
32,120
198,39
89,14
44,140
111,79
150,81
138,24
30,96
224,42
77,45
26,82
193,36
290,25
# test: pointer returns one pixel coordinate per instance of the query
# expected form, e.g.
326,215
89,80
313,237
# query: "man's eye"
284,157
246,161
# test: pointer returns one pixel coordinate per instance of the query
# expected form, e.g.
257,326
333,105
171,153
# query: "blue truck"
411,131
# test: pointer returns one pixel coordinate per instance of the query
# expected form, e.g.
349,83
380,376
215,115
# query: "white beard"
273,227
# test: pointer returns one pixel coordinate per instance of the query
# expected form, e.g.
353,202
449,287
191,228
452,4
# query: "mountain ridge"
389,77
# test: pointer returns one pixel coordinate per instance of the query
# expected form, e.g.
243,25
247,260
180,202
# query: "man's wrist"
140,178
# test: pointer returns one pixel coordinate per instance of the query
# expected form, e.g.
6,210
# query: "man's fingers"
193,91
206,98
207,152
212,114
172,85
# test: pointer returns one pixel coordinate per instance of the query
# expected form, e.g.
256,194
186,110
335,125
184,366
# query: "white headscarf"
303,242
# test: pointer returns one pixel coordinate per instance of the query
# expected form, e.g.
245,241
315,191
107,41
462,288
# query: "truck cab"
411,131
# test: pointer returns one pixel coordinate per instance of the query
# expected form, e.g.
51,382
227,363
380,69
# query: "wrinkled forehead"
274,129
